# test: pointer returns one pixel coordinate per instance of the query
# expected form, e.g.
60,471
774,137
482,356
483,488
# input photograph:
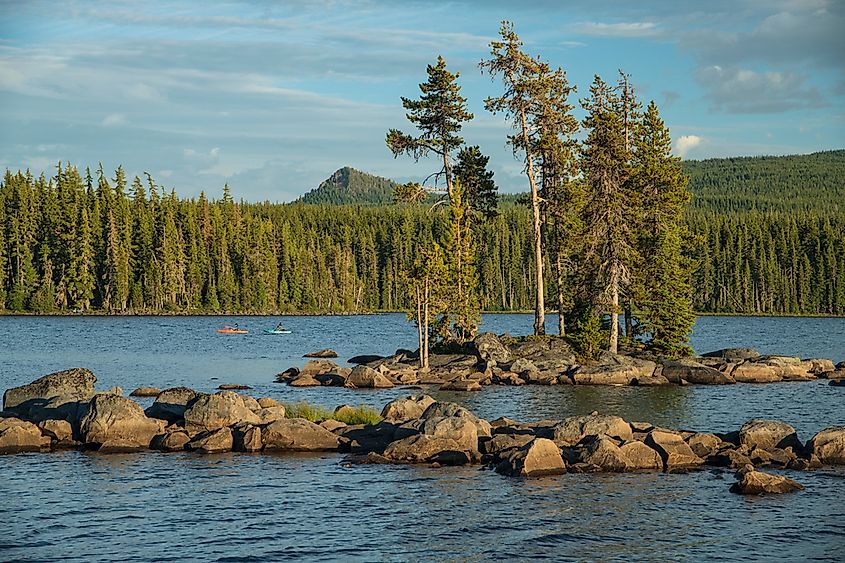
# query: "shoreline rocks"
501,360
418,429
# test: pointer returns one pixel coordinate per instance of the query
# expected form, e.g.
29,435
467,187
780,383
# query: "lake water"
235,507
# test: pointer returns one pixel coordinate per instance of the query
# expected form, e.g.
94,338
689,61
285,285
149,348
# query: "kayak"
232,331
274,331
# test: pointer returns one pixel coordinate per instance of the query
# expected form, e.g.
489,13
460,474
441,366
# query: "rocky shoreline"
63,410
500,360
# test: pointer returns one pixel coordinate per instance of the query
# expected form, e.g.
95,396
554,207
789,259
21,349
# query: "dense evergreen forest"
769,238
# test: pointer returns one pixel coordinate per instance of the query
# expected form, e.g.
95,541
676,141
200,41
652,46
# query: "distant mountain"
351,186
805,182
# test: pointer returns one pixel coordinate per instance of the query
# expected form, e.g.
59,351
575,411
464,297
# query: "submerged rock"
325,353
751,482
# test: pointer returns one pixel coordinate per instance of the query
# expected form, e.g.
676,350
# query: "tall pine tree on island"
480,191
665,271
608,210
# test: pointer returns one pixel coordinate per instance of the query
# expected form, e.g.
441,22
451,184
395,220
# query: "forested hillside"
89,242
348,185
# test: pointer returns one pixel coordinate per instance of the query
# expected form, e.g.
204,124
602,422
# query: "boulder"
838,382
333,425
674,452
360,438
604,452
442,409
694,372
212,441
116,423
751,482
537,458
408,408
829,445
768,434
267,402
704,445
18,435
364,359
270,414
755,372
503,442
173,441
821,366
317,367
59,431
461,430
422,448
325,353
639,457
304,380
224,408
250,402
789,368
170,404
614,369
287,375
77,385
298,434
145,392
365,377
734,354
573,429
461,385
490,349
247,438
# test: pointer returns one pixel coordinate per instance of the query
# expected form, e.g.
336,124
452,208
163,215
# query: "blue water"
236,507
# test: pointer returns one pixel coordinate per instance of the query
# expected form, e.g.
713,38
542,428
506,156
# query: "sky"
272,97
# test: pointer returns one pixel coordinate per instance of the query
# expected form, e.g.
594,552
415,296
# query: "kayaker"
279,327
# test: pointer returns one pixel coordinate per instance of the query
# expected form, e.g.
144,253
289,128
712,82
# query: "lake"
235,507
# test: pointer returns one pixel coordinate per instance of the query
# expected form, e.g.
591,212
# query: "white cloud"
739,90
686,143
622,29
114,119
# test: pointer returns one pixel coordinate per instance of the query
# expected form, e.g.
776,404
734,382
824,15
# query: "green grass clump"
361,414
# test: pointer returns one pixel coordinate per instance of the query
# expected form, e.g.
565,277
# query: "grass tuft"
361,414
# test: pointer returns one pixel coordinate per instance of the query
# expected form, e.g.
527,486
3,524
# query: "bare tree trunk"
540,304
419,323
614,306
424,349
629,322
561,324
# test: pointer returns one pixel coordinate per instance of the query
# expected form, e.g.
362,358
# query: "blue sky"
272,97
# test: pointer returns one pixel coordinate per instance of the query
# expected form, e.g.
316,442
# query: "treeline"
94,243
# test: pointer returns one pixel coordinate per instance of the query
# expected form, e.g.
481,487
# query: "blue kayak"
274,331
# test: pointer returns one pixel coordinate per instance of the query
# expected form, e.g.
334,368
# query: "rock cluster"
494,360
414,429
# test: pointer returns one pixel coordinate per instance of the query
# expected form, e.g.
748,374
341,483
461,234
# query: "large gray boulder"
224,408
423,448
573,429
490,349
365,377
829,445
673,450
405,409
734,354
614,369
537,458
445,409
462,430
19,436
694,372
116,423
756,372
212,441
298,434
768,434
170,404
60,388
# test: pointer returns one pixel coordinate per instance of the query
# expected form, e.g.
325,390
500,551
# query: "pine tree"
609,251
439,114
480,191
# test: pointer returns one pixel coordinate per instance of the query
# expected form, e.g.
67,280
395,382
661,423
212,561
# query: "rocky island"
63,410
502,360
